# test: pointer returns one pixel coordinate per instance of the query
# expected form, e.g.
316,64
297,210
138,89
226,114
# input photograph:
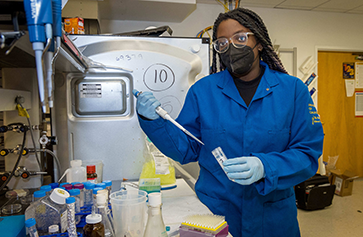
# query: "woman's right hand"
146,105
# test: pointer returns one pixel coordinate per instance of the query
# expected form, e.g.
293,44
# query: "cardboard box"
343,181
74,25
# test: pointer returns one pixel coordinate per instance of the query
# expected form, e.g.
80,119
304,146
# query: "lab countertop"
179,203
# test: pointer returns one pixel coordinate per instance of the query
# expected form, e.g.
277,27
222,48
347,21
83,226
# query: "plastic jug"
76,173
129,212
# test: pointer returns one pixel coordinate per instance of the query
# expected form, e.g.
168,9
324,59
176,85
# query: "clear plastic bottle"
88,194
47,189
102,210
94,191
54,185
76,173
51,210
155,226
108,186
80,187
68,186
31,227
36,206
38,195
94,226
71,217
62,184
76,194
101,185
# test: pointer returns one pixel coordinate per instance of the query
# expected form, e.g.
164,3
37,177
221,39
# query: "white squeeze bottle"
76,173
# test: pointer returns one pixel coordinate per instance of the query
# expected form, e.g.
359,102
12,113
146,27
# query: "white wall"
306,30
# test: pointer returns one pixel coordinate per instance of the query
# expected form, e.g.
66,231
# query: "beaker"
129,212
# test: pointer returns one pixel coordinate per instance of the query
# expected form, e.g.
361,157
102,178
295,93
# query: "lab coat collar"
267,83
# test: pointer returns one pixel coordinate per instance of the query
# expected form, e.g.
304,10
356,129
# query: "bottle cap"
108,183
74,192
154,199
39,194
79,186
76,163
61,184
54,185
95,190
70,200
91,169
53,229
89,185
74,183
46,188
93,218
68,186
59,196
30,222
101,185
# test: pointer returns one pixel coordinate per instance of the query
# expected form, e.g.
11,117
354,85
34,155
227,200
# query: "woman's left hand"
244,170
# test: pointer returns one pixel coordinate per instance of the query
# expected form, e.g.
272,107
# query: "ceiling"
343,6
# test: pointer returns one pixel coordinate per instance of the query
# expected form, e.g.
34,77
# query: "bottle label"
64,221
161,163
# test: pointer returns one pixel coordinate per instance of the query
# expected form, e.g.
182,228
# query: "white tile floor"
344,218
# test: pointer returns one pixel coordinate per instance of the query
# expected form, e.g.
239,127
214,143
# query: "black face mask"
238,60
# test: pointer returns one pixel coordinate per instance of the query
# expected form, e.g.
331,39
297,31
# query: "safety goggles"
239,40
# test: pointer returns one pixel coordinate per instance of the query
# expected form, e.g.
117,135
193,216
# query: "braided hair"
251,20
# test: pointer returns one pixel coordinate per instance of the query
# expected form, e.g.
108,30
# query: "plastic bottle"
76,194
94,191
101,185
155,226
88,194
102,210
54,185
38,195
31,228
36,206
91,174
71,217
76,173
94,226
52,210
68,186
47,189
80,187
62,184
108,186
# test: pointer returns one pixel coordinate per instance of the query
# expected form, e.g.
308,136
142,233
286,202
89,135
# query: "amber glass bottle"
91,174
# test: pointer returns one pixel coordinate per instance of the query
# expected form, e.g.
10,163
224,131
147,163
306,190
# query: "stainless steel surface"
106,128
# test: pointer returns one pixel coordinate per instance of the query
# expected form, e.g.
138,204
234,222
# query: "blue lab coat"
280,126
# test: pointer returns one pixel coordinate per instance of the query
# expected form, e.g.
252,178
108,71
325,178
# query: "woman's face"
228,28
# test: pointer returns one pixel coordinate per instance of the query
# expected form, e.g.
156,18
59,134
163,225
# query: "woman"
263,119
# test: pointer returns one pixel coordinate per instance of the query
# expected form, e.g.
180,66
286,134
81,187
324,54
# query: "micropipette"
160,111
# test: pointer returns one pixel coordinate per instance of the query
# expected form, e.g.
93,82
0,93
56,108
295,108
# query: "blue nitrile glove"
146,105
244,170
